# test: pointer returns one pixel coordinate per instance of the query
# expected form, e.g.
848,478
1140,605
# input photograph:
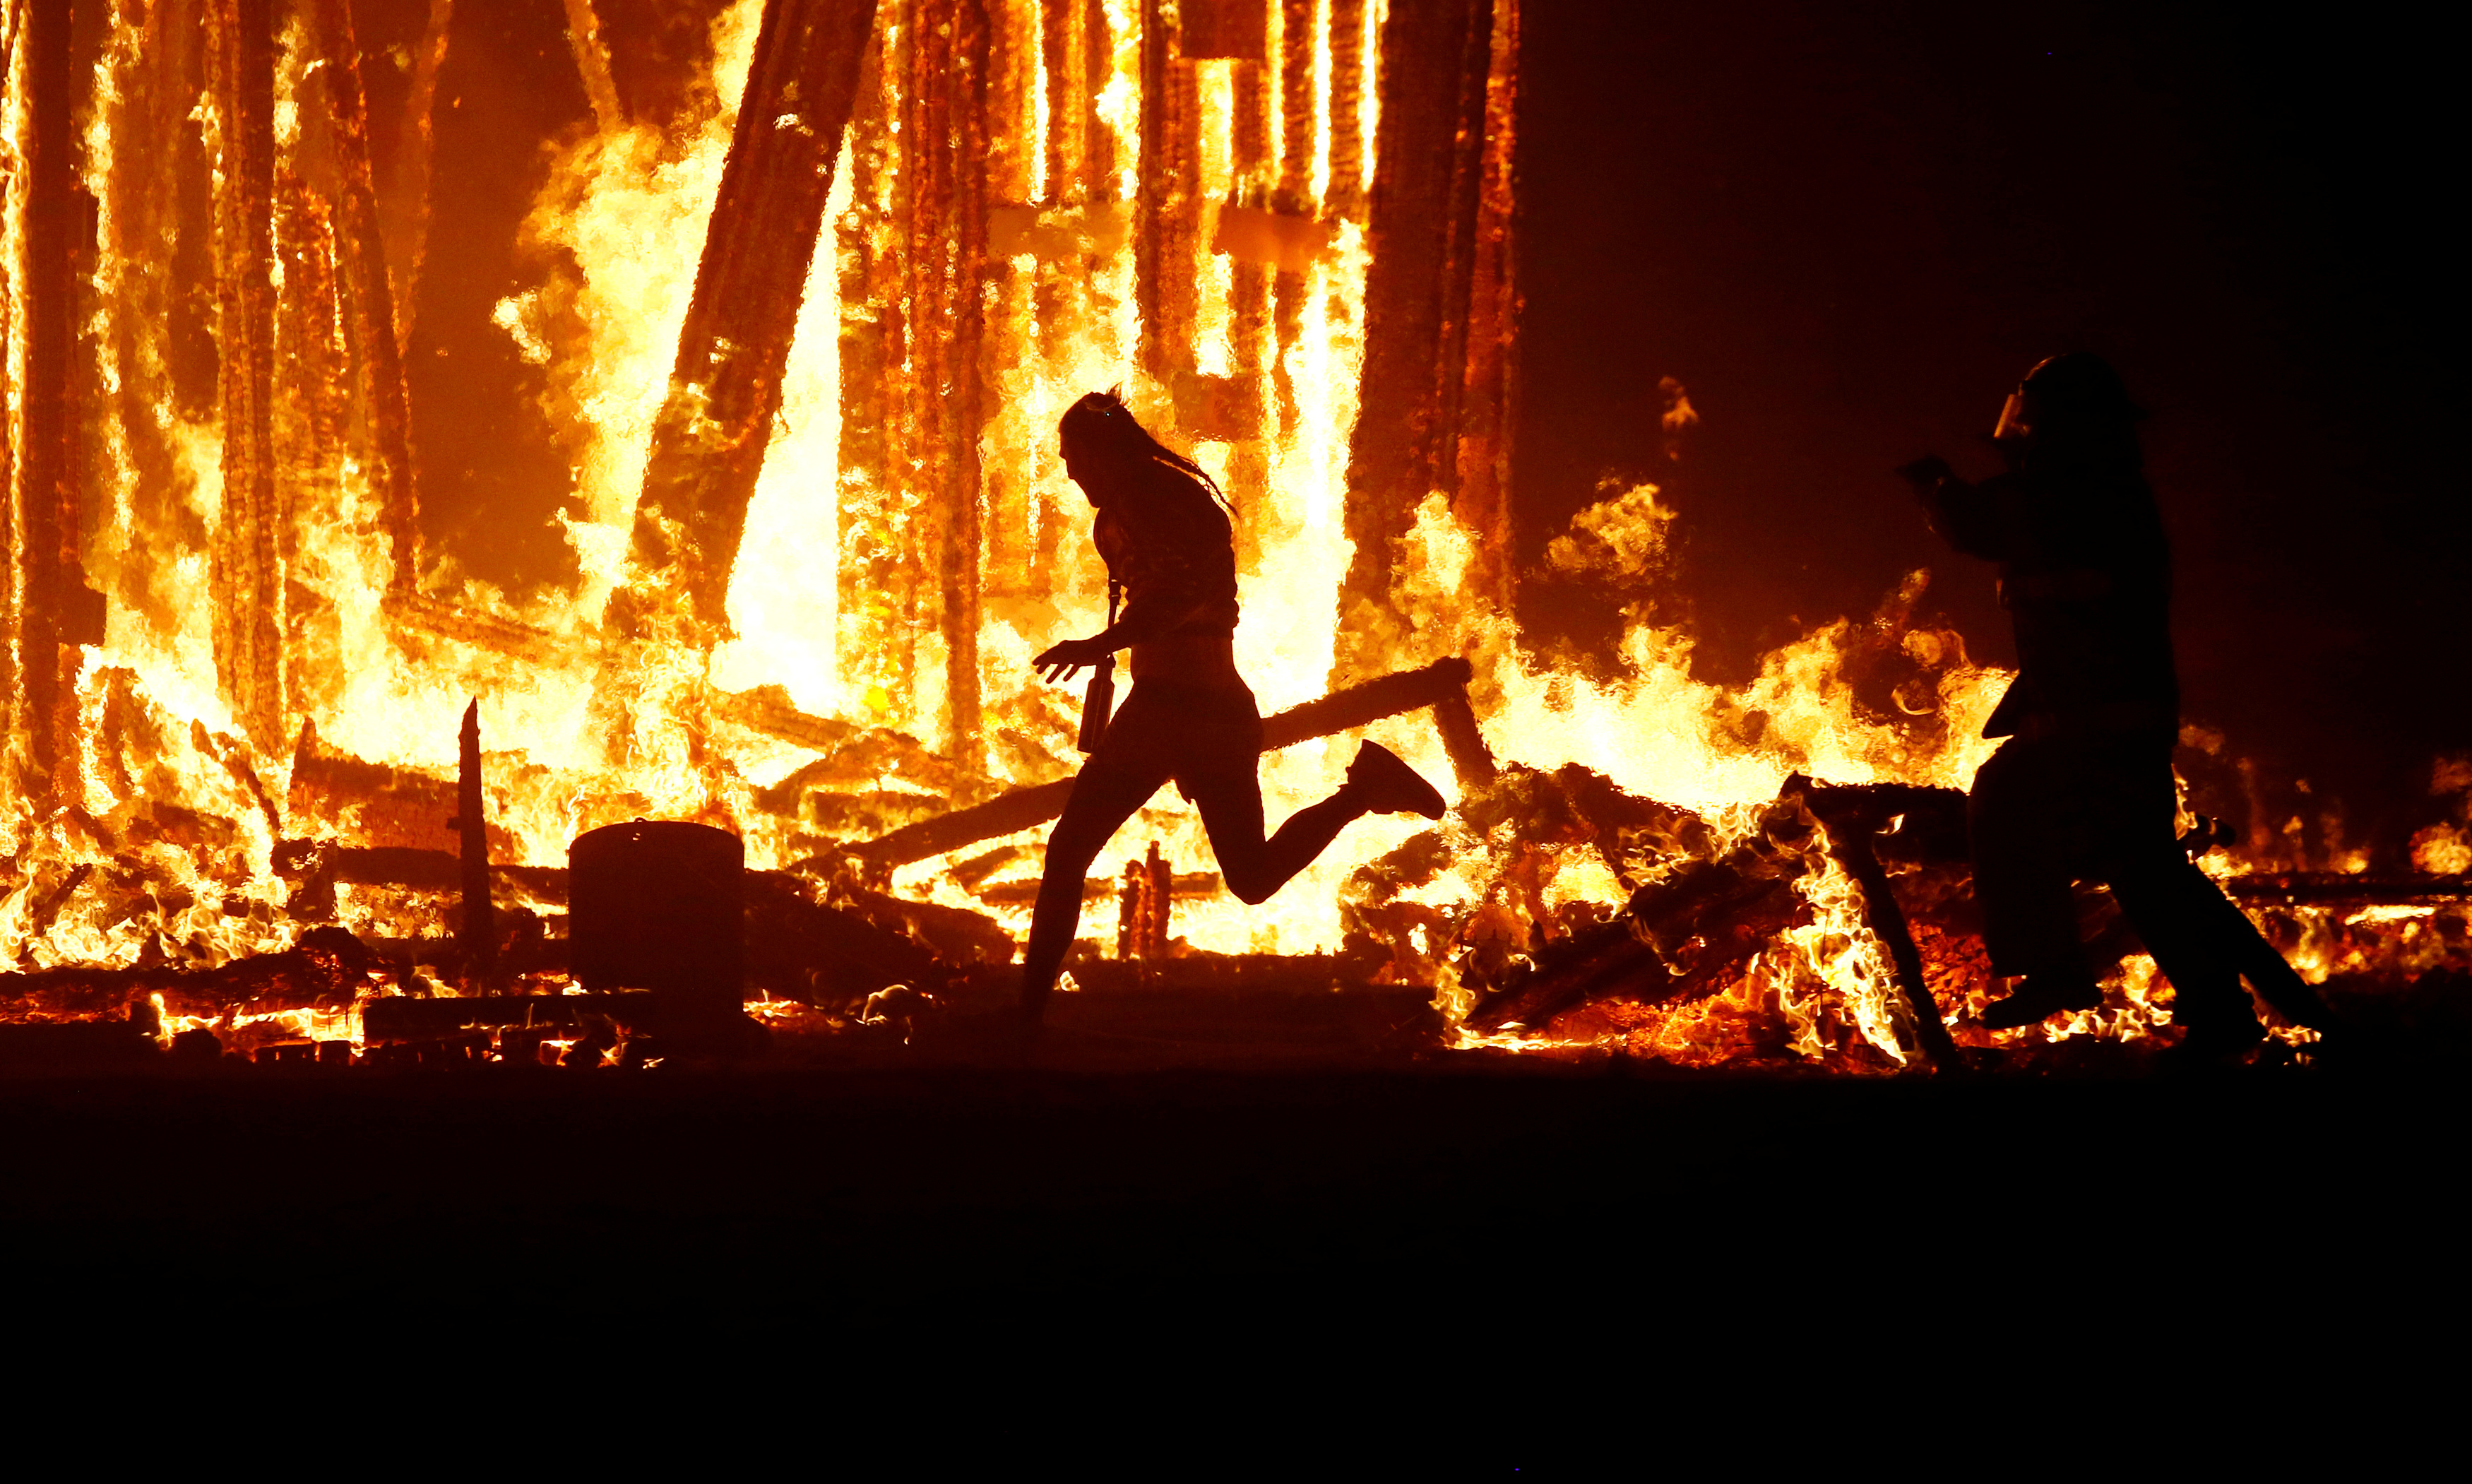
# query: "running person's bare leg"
1253,867
1106,795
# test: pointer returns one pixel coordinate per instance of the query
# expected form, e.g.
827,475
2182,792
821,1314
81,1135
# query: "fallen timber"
325,967
1442,686
1695,929
1855,817
725,389
316,862
2331,888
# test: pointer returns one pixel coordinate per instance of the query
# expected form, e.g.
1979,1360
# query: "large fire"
818,526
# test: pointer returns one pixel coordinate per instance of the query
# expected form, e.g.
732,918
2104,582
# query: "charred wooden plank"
425,619
325,967
380,803
709,438
2312,887
1362,705
1025,808
767,709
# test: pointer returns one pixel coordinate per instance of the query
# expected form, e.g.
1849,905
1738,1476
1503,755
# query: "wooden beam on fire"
1489,369
405,205
1427,188
1442,686
1854,816
709,439
476,931
317,862
50,611
247,570
370,289
2334,888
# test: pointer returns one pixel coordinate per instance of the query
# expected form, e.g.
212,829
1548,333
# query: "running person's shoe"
1387,785
2038,1000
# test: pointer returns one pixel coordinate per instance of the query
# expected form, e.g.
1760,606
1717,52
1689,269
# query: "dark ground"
1521,1234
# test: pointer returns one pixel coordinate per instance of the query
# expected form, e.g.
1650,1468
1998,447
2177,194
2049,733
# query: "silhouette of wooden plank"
708,442
1024,808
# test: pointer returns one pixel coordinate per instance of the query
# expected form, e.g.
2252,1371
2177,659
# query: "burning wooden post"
927,160
947,269
709,439
247,572
369,290
404,211
50,611
1490,382
1424,230
1144,906
477,936
1292,197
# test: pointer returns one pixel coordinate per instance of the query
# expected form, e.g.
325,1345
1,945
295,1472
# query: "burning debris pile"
680,381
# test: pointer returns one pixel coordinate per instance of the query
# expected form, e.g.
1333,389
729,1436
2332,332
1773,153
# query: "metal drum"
660,905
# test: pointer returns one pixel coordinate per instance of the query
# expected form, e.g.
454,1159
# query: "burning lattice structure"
770,359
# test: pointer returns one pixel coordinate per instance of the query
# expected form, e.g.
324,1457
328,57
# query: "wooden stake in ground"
477,933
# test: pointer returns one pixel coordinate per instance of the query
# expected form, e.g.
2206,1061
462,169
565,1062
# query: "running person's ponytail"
1101,421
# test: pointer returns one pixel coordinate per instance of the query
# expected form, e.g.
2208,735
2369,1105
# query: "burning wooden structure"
680,381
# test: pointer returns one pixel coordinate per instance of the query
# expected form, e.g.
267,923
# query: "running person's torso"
1171,546
2087,578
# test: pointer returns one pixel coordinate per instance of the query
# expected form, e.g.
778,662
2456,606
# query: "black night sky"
1848,228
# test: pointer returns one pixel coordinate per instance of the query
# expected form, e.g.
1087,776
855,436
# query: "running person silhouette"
1163,531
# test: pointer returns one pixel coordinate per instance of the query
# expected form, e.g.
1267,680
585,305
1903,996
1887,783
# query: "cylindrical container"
660,905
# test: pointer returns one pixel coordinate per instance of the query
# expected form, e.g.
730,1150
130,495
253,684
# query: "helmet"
2078,390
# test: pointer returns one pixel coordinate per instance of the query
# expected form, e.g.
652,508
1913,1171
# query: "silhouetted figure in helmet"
1190,718
2082,789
